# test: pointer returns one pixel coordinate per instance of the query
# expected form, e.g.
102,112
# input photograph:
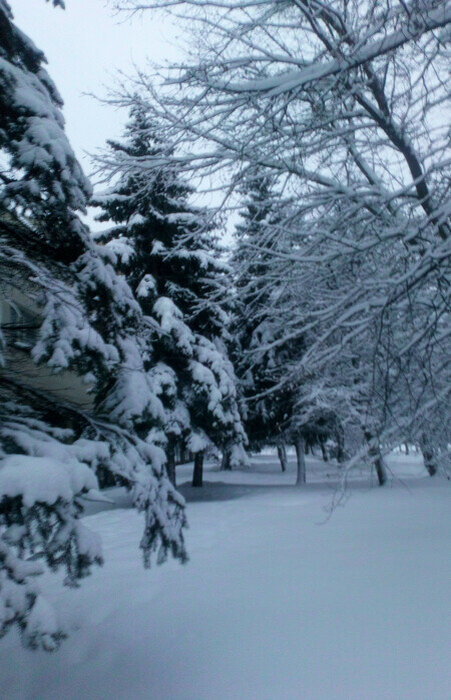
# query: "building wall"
19,321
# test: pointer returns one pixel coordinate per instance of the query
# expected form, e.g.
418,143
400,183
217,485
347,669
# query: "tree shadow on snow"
217,491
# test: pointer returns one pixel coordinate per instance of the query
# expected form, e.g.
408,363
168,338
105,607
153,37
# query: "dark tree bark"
282,455
380,469
198,471
429,457
225,463
376,457
300,461
340,438
184,455
170,461
323,451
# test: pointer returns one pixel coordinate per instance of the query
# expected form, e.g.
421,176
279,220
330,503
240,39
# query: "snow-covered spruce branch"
42,520
85,320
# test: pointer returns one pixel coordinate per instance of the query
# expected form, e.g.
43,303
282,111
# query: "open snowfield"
278,601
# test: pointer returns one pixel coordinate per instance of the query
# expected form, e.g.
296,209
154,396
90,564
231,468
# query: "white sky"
85,45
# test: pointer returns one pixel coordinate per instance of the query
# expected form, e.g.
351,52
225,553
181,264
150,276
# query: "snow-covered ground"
278,602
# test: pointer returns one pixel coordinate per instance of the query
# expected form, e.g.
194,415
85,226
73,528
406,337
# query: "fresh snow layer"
278,602
44,480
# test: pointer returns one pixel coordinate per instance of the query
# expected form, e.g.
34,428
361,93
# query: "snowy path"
275,604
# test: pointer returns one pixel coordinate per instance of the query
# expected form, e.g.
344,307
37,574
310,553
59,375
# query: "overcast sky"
85,44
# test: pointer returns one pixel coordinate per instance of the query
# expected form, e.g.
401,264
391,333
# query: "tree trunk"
406,447
225,464
282,455
184,454
170,462
300,461
429,457
376,458
380,469
340,438
198,471
323,451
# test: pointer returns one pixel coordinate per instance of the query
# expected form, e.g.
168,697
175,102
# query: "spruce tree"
166,248
87,321
255,328
268,361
